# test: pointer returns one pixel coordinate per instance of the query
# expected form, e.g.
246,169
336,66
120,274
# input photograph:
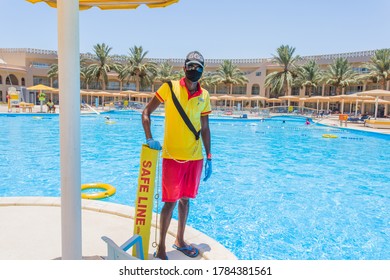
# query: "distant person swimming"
307,121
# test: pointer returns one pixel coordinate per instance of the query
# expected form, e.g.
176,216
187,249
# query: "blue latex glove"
208,169
153,144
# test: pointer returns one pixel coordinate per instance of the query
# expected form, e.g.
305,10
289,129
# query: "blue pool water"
278,190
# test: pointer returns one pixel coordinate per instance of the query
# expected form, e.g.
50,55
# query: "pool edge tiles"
210,249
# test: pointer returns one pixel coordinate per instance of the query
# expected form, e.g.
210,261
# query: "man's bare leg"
165,220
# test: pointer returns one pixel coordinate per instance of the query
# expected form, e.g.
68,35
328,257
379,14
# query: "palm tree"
100,69
282,80
53,73
85,76
310,76
340,74
208,79
53,70
138,68
165,72
379,68
228,74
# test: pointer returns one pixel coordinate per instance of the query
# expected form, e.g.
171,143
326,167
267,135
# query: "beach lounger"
361,119
115,252
377,123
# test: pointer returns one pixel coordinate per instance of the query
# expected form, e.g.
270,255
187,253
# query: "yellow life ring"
110,122
329,136
108,190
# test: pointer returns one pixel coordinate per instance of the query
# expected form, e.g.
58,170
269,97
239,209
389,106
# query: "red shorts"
180,180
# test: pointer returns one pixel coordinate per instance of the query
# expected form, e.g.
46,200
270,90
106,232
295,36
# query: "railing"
121,58
28,50
340,55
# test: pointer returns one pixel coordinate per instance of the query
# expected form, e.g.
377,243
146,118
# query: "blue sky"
217,28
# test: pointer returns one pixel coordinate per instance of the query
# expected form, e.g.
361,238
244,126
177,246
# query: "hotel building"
25,67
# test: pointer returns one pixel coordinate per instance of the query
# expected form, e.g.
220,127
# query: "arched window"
23,82
12,80
255,89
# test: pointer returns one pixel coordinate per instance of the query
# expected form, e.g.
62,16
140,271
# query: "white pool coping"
31,230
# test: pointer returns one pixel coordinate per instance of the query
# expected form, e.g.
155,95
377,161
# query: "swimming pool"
278,190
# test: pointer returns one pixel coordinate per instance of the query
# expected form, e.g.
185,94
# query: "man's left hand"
208,169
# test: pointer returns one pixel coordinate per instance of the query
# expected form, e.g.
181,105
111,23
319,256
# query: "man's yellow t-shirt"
179,141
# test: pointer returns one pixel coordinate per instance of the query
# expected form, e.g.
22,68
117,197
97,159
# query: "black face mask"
193,75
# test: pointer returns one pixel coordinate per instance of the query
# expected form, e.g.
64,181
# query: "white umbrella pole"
69,72
40,101
356,107
376,106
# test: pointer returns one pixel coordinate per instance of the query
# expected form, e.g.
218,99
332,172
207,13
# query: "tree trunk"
285,86
338,90
137,87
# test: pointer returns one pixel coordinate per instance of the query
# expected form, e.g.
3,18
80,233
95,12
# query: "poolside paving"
334,122
31,230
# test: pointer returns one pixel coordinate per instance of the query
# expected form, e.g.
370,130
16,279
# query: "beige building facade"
25,67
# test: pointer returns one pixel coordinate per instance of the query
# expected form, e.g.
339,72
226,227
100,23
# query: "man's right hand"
153,144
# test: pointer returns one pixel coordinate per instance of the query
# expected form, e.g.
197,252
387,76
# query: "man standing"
182,149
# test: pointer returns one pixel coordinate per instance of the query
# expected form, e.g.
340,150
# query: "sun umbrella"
87,93
41,88
129,93
350,98
379,101
318,99
258,98
112,4
274,100
69,77
302,101
227,97
376,93
214,98
289,98
142,95
357,98
242,99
